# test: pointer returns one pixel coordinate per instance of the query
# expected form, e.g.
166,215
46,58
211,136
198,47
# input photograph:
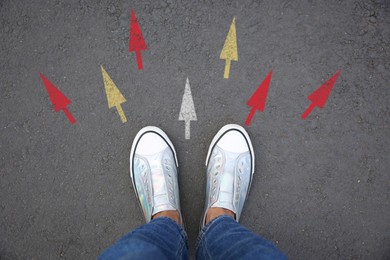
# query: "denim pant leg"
224,238
161,238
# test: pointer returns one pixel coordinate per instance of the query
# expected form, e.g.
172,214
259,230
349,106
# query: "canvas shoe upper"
153,171
230,165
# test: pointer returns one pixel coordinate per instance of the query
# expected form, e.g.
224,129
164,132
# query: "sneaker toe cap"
150,143
233,141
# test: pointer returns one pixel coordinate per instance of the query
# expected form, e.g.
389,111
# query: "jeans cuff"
170,221
210,225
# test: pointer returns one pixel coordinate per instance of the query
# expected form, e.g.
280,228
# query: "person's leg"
153,171
230,166
161,238
225,238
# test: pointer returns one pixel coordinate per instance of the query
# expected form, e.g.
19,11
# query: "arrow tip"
133,17
103,70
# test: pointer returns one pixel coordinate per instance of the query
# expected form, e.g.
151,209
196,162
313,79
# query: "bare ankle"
213,213
172,214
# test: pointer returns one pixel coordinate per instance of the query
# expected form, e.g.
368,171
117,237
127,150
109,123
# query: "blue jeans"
163,238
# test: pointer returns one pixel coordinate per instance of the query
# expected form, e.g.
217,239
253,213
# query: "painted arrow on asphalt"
229,50
258,99
187,110
57,98
320,95
136,41
114,96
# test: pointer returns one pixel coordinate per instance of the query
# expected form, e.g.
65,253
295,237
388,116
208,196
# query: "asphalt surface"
321,186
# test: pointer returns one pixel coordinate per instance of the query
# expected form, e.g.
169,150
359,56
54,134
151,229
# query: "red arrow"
136,41
320,95
59,100
257,100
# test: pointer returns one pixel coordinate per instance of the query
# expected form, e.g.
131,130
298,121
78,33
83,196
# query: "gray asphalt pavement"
321,186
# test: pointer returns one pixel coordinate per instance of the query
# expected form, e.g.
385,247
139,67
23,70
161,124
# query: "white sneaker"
230,165
153,171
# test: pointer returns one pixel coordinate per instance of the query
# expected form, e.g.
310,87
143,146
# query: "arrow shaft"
227,69
308,111
69,115
121,114
187,129
139,60
250,116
